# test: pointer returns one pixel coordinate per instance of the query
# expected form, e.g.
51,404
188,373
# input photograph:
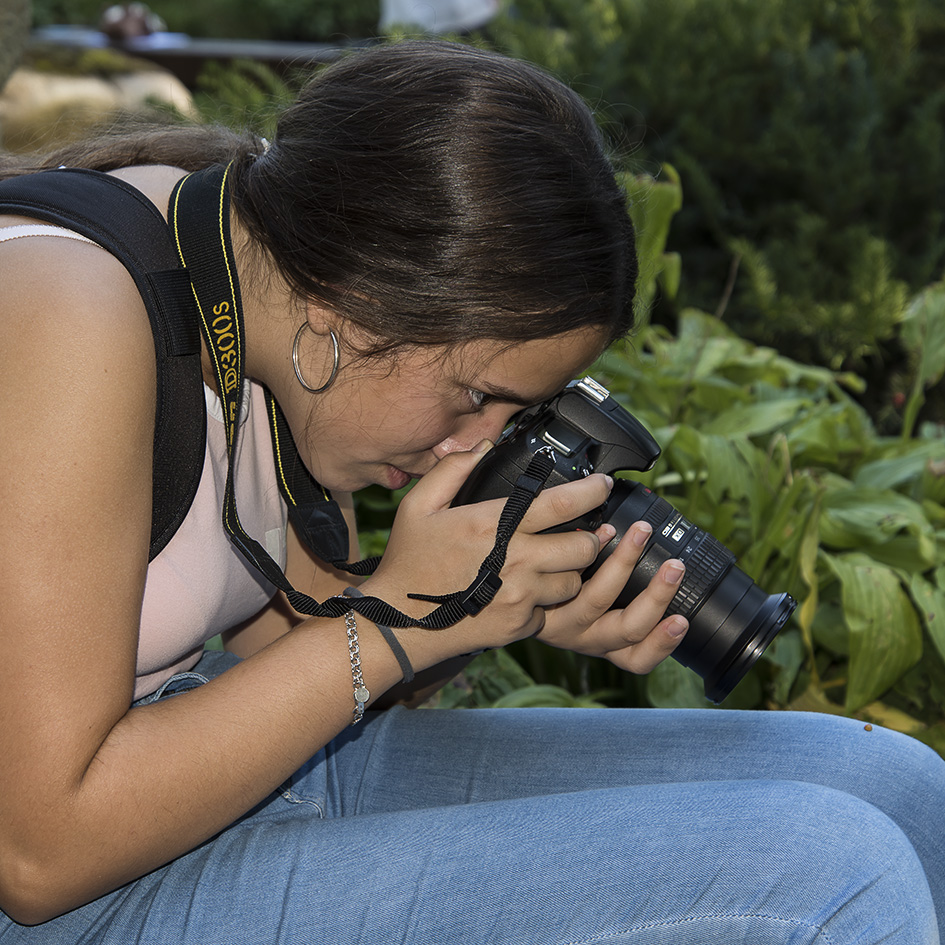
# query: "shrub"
809,138
287,20
779,462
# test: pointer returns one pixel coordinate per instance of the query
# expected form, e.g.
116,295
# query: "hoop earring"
336,357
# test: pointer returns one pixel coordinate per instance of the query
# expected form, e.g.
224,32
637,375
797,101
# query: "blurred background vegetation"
282,20
785,164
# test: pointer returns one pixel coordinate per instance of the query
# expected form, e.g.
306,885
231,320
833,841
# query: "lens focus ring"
705,564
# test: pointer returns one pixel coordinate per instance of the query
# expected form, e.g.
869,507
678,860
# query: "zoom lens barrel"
731,620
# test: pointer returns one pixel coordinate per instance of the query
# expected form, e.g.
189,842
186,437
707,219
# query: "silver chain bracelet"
361,694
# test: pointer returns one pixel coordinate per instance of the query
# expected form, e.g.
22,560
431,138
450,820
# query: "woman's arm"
94,794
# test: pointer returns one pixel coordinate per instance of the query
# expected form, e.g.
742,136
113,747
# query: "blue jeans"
572,827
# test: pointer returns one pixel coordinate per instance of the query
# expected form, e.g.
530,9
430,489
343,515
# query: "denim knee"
854,867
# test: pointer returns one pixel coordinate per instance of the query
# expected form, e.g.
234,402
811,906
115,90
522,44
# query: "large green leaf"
907,462
807,557
653,204
930,599
757,418
672,686
728,473
923,330
885,635
546,696
890,525
829,431
786,655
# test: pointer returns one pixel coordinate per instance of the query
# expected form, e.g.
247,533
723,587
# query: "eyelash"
478,398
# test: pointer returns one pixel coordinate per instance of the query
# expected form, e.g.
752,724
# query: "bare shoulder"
155,181
58,289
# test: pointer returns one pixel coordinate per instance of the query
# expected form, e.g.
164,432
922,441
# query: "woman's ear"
321,320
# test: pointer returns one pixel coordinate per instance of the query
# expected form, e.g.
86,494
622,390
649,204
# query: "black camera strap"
199,220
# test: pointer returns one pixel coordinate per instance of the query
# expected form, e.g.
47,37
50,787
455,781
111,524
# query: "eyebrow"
510,396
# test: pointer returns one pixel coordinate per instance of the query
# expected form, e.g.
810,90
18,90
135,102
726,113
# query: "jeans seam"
159,693
822,936
285,790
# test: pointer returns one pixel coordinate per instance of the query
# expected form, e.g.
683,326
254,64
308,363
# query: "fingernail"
674,572
609,480
606,532
677,626
483,447
641,533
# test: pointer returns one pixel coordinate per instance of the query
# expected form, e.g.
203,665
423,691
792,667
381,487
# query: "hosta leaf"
758,418
672,686
930,599
728,473
885,635
908,464
870,518
923,330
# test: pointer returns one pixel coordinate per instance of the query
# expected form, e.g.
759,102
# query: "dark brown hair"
431,192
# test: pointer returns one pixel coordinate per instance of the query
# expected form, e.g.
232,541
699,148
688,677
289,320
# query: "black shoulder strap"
123,221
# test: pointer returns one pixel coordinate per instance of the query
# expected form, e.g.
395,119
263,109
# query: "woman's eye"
478,398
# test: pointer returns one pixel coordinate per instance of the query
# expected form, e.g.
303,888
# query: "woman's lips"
397,478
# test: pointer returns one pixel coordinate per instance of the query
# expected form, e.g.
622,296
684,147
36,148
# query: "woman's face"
389,420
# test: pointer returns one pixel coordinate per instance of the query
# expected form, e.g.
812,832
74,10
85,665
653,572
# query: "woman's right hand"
437,549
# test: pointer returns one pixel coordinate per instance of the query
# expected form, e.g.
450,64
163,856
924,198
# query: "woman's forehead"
537,364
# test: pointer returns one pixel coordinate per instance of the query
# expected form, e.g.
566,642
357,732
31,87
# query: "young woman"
433,240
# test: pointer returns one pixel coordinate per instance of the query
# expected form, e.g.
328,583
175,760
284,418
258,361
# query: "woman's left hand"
636,638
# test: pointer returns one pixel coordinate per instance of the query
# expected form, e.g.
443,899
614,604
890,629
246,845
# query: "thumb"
440,485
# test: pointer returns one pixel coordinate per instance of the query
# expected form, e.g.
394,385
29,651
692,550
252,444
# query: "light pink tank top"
200,585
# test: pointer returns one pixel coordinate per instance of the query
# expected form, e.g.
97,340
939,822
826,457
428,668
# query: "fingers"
643,637
609,580
647,609
611,630
438,488
563,503
656,646
557,551
639,636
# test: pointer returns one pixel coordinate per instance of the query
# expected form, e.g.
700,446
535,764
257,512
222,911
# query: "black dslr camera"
731,620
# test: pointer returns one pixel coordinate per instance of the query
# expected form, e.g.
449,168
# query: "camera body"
585,430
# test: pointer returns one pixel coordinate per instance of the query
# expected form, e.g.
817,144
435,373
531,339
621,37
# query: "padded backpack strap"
123,221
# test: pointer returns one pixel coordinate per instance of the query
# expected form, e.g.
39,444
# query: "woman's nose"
472,430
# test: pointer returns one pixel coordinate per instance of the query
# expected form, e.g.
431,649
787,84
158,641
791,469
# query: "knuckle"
591,545
572,585
561,503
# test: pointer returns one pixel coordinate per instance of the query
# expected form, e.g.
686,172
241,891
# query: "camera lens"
731,619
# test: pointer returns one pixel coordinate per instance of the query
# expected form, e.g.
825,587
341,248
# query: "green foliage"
809,137
653,204
923,332
288,20
244,94
67,12
491,676
779,461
